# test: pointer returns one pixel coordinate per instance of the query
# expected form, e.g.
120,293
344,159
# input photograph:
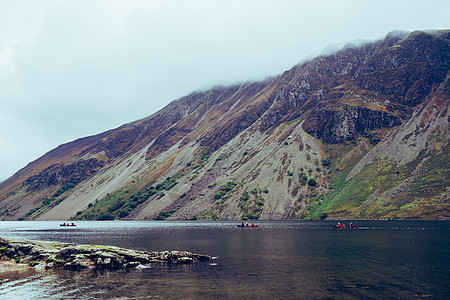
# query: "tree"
312,182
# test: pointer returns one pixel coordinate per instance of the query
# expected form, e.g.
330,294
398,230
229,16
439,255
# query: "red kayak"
346,227
247,226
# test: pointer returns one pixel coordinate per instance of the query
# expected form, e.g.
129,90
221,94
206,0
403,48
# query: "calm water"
278,260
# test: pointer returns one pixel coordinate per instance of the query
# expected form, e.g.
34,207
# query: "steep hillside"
361,133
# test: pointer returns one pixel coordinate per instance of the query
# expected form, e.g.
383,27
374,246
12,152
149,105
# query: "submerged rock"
49,255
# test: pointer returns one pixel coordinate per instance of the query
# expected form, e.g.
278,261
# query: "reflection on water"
278,260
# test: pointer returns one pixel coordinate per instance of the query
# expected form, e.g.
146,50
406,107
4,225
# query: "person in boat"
243,224
351,225
338,225
253,224
72,224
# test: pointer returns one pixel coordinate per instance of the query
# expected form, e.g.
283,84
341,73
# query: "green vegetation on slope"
220,198
252,205
122,202
343,158
384,189
427,195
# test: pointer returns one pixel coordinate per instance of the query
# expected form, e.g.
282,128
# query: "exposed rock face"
48,255
67,175
348,123
299,145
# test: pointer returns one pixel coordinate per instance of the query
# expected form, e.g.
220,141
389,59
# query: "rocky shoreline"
55,255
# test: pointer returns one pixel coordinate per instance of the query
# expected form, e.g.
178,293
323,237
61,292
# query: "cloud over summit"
74,68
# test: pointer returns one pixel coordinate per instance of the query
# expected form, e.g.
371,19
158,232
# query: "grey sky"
70,69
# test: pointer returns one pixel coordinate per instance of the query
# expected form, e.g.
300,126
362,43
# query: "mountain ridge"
293,146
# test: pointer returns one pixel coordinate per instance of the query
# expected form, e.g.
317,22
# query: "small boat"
248,226
65,225
346,227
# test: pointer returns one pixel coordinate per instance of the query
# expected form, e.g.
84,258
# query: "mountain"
360,133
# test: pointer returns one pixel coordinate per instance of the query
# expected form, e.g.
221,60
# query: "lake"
278,260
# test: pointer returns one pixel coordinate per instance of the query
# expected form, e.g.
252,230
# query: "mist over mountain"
357,133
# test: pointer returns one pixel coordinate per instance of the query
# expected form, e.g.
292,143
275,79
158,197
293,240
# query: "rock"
46,255
185,260
3,242
67,252
76,264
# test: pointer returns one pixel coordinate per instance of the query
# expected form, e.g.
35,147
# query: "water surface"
278,260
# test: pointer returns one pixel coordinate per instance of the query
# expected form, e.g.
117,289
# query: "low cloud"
74,68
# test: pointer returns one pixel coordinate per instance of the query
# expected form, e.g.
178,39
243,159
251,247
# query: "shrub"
219,195
229,186
244,196
204,157
116,206
224,189
105,216
253,217
165,214
312,182
323,216
124,213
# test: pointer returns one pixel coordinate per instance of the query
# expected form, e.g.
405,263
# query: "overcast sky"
70,69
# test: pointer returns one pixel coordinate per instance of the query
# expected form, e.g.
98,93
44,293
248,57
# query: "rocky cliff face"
361,133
